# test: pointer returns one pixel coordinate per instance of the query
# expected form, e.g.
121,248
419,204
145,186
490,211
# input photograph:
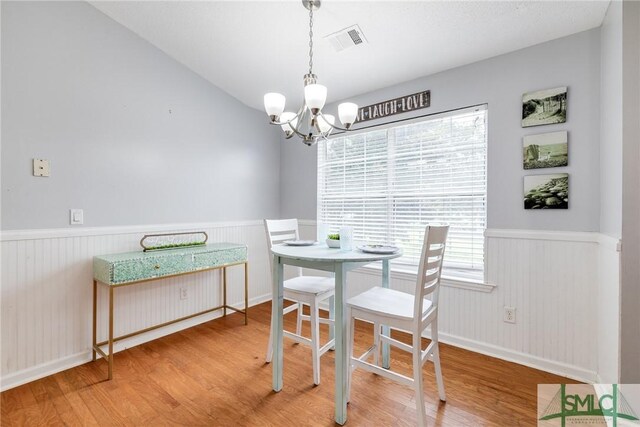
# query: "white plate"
299,242
379,249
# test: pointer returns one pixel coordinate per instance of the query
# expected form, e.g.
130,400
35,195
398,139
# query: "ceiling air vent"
346,38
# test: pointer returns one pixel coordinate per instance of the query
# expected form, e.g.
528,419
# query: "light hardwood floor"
214,374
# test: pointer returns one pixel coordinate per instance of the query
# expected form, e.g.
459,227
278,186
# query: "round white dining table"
321,257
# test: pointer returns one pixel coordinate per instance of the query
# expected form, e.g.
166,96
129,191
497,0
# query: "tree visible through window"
390,182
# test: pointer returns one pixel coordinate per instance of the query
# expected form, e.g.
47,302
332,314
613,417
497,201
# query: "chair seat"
314,285
387,302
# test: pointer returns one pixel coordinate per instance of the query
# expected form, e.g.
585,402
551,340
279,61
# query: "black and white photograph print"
544,107
546,150
546,191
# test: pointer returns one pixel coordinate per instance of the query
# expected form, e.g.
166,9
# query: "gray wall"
573,61
133,136
611,122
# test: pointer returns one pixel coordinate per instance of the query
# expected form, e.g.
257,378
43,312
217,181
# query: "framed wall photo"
546,191
544,107
545,150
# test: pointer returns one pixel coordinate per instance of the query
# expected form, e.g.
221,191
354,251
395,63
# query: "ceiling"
248,48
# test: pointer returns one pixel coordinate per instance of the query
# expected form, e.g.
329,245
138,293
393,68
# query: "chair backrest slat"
437,251
431,286
433,263
279,238
430,269
430,277
278,231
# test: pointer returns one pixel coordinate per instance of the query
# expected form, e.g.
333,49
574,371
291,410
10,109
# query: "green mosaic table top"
121,268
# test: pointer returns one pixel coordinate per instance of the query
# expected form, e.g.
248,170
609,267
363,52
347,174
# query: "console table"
133,268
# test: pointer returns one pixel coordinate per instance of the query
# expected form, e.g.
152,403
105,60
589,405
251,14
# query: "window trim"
407,271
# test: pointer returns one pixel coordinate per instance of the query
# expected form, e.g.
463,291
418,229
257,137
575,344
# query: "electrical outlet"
509,314
183,293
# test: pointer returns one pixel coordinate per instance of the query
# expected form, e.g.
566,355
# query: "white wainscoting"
608,310
558,282
551,278
46,293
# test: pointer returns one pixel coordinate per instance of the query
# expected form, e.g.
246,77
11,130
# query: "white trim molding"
55,233
563,236
610,242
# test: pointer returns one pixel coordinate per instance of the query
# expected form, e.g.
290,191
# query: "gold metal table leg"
110,332
246,293
224,290
95,318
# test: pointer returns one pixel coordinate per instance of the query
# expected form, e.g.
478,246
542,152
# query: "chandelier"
309,123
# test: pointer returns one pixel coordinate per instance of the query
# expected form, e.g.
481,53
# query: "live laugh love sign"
403,104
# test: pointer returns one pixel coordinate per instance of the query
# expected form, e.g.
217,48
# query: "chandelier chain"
311,40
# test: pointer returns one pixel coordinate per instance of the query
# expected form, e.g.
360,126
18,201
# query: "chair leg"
436,360
350,344
376,343
299,319
270,345
315,342
417,379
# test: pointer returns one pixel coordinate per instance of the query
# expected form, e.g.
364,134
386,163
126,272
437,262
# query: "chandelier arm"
288,122
341,128
300,116
331,125
296,129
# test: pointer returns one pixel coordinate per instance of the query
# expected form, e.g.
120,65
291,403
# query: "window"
389,182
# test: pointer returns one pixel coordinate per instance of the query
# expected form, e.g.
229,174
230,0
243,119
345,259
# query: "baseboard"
33,373
553,367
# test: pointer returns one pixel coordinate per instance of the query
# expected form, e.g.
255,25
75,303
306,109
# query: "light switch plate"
41,167
76,216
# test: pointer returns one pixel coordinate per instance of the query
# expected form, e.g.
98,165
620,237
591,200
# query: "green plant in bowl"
333,240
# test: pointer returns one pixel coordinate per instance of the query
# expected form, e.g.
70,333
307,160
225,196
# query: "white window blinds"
389,183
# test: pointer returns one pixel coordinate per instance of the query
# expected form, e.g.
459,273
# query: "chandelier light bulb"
315,96
325,122
348,111
274,105
288,127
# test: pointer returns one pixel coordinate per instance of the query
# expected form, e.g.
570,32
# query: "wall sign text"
403,104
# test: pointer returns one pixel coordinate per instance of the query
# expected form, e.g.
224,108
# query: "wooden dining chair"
402,311
302,290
